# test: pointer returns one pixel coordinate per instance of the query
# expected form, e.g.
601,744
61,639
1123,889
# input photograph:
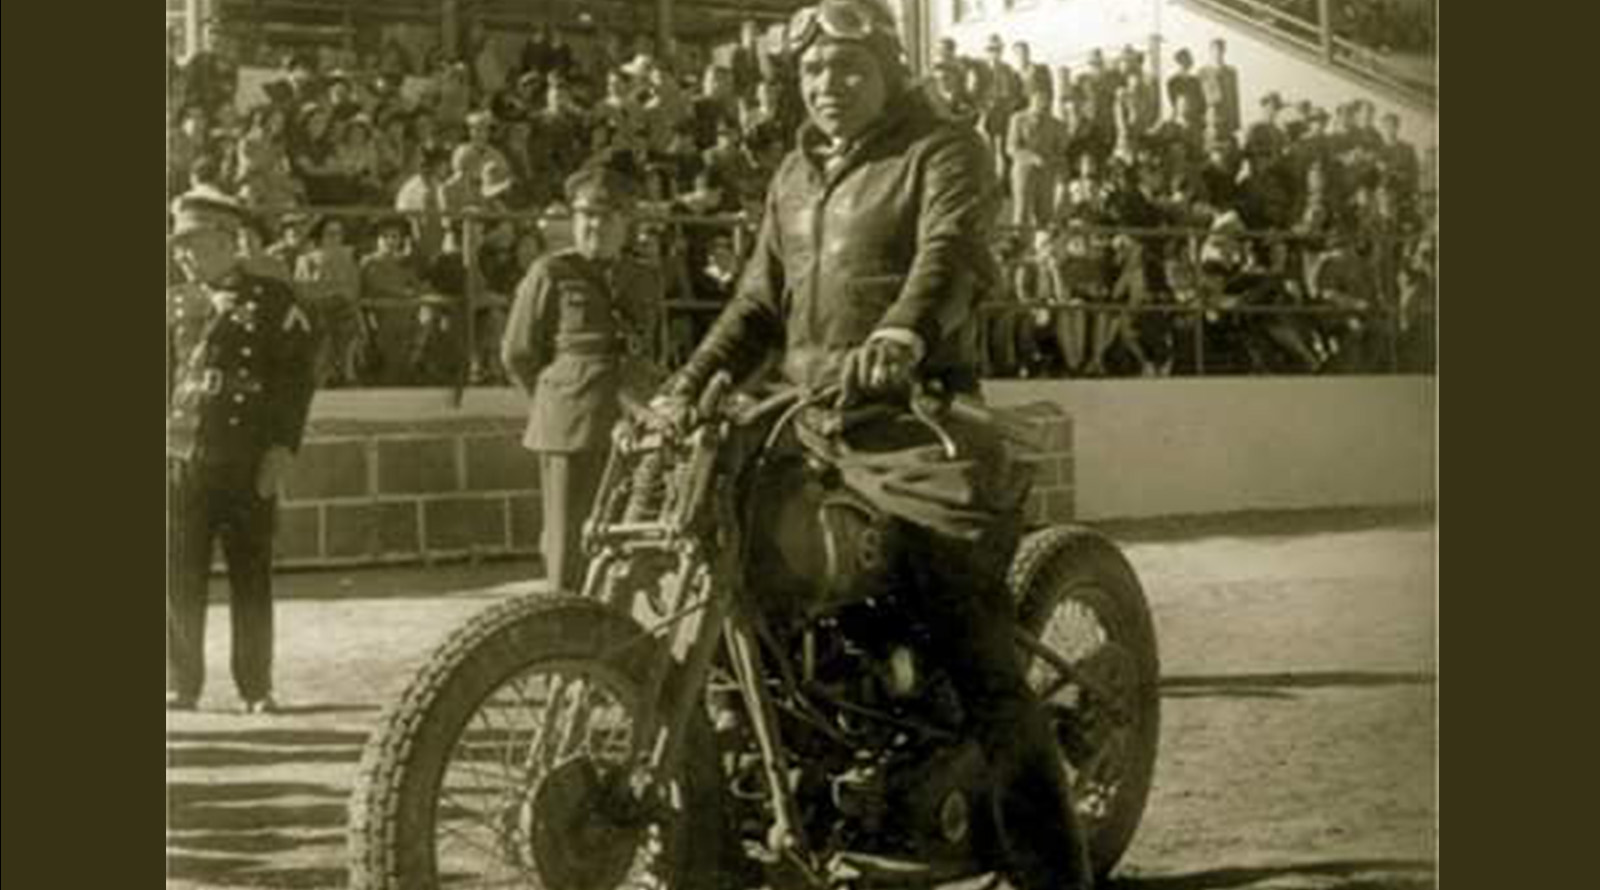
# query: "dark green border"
84,495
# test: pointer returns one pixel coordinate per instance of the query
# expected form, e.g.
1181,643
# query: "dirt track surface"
1298,709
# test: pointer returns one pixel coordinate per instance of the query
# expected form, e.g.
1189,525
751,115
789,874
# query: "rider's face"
843,86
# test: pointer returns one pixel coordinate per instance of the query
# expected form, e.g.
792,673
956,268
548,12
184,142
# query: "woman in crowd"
313,151
264,175
330,283
390,290
357,157
454,91
396,152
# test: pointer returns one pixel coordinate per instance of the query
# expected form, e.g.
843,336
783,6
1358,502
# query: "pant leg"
189,539
247,546
568,483
973,620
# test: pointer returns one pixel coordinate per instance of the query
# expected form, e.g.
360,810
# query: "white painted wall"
1211,445
1063,32
1057,31
1153,447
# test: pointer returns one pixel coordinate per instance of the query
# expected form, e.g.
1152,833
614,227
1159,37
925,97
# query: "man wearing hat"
1184,82
1266,142
872,256
582,325
477,152
1001,97
558,143
1220,82
240,382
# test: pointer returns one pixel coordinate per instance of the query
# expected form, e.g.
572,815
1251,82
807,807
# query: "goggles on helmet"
856,20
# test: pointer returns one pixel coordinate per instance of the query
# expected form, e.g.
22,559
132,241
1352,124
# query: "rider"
873,249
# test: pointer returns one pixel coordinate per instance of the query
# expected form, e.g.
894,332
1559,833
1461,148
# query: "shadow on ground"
233,871
1286,685
261,747
227,834
1266,524
1355,874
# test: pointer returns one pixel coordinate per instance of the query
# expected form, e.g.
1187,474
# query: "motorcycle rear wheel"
1078,595
505,764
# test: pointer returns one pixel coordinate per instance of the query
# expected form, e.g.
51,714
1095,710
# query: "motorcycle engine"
910,785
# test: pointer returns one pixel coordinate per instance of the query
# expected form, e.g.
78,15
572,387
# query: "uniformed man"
240,384
580,331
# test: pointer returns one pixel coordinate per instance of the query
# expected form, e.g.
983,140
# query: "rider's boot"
1041,840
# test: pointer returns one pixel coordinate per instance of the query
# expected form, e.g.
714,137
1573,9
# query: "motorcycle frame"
707,607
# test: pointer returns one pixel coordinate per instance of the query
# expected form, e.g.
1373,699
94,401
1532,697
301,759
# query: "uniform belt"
215,381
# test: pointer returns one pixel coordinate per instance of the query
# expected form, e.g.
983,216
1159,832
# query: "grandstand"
1287,275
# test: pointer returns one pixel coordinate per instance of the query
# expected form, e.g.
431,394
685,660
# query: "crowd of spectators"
1076,150
478,133
1085,149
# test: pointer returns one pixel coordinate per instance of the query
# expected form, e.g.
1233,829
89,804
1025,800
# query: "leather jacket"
892,232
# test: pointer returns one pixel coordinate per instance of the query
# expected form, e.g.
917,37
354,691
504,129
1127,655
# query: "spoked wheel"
1076,594
513,761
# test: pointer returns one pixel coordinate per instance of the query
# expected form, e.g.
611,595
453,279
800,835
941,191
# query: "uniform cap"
1272,98
601,185
206,209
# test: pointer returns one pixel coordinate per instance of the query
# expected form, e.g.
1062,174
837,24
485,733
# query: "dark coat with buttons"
579,337
895,233
240,378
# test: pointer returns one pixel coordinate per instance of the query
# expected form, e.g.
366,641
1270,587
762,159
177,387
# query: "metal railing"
456,321
1273,317
1203,320
1321,35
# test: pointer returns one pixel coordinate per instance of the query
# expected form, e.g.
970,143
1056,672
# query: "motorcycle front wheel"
1077,595
510,761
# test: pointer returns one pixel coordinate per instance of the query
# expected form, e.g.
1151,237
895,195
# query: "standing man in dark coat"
1220,82
578,338
872,255
240,385
1002,96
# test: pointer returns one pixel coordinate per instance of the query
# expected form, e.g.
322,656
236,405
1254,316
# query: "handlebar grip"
715,391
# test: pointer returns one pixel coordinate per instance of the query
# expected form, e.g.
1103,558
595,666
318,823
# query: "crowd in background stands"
479,134
1076,149
1088,148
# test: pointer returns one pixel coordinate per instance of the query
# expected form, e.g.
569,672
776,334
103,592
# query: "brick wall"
1050,430
373,491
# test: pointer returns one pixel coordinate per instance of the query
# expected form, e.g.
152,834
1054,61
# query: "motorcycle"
716,709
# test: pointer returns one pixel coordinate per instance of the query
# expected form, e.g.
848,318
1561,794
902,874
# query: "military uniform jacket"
580,337
240,369
893,234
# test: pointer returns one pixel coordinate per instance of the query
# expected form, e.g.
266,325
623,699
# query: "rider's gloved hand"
882,365
672,409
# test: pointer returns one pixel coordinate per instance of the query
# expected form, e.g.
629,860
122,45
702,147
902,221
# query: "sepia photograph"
802,444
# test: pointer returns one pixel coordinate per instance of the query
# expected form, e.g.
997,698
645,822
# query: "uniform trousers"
208,502
568,483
